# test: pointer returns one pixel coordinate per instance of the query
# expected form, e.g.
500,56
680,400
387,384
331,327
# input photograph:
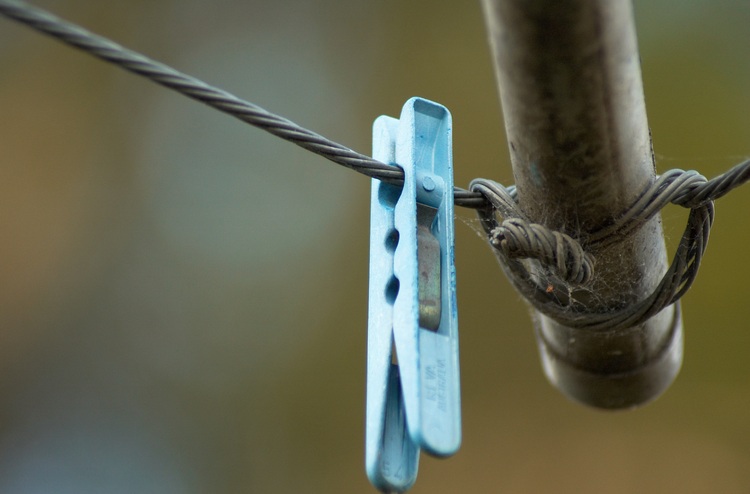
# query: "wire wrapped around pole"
515,238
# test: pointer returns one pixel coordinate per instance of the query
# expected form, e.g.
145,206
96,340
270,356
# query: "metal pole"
570,86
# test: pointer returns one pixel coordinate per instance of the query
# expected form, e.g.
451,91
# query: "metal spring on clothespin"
413,396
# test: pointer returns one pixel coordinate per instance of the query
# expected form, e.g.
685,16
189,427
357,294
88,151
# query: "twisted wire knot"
517,238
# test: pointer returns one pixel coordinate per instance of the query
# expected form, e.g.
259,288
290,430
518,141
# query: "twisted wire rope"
514,238
219,99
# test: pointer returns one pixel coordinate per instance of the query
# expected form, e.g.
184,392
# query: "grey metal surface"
572,97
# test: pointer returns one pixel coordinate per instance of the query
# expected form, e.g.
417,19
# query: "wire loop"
565,259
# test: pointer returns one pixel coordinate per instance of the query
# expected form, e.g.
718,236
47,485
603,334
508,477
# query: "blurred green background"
183,298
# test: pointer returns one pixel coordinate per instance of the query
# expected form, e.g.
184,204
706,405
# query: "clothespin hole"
391,290
391,240
388,194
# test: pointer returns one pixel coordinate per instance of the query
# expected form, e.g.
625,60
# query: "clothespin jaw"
415,403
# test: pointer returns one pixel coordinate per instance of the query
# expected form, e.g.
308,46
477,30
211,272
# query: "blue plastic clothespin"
413,397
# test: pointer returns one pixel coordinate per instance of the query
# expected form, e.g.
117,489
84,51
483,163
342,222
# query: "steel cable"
219,99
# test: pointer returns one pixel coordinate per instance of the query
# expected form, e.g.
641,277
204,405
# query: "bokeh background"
183,298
